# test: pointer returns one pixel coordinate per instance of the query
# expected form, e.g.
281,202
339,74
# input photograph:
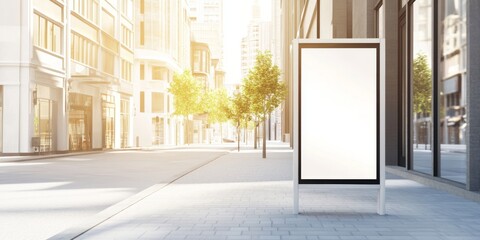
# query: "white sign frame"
379,181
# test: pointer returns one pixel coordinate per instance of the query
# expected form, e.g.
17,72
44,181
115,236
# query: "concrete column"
11,119
473,96
62,122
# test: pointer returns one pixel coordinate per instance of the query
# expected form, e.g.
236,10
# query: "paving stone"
242,196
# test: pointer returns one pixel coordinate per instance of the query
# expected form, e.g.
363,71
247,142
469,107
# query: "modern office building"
258,38
66,75
162,47
432,77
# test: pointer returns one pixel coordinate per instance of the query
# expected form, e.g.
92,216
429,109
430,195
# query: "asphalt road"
40,198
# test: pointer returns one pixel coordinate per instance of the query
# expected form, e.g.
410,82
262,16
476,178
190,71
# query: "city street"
453,164
40,198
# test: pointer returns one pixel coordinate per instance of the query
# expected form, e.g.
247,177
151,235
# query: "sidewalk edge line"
101,217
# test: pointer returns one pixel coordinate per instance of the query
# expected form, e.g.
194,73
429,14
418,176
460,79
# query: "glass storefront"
43,124
158,133
124,122
421,85
108,121
438,79
452,42
80,122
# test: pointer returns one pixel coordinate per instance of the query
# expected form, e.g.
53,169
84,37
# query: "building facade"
162,48
432,86
66,75
207,61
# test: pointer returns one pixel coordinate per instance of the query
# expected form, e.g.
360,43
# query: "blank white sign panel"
338,92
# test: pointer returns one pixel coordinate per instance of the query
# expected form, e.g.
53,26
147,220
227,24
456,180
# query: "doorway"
80,122
108,121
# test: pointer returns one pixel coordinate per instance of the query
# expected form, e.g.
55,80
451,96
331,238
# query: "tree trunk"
255,136
186,132
264,147
238,139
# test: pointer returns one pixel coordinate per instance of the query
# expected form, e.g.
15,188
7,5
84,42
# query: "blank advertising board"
339,115
339,87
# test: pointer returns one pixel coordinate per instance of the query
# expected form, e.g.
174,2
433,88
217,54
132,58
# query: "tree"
214,104
422,86
265,91
238,111
187,94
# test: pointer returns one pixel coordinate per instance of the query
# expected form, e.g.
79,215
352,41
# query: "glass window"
142,101
126,70
157,102
47,34
159,73
196,61
108,121
108,61
83,50
142,33
421,84
108,23
124,122
158,124
142,71
452,85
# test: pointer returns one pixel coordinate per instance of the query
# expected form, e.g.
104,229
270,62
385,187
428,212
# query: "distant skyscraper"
258,38
207,25
263,35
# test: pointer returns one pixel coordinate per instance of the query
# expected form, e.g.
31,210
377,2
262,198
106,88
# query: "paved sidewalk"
241,196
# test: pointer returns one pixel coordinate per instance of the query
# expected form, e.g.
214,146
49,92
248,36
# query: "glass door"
421,65
108,121
80,122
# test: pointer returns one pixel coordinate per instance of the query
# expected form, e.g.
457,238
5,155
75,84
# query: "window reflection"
422,86
452,85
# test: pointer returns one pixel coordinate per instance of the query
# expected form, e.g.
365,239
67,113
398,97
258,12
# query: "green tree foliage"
214,104
264,89
238,111
422,85
187,95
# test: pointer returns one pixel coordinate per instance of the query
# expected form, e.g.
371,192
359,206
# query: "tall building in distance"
207,28
162,47
66,72
263,35
258,38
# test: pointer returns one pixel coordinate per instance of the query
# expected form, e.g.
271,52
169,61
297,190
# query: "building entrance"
43,124
108,121
80,122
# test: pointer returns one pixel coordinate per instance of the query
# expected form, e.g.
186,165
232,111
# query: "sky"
236,15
